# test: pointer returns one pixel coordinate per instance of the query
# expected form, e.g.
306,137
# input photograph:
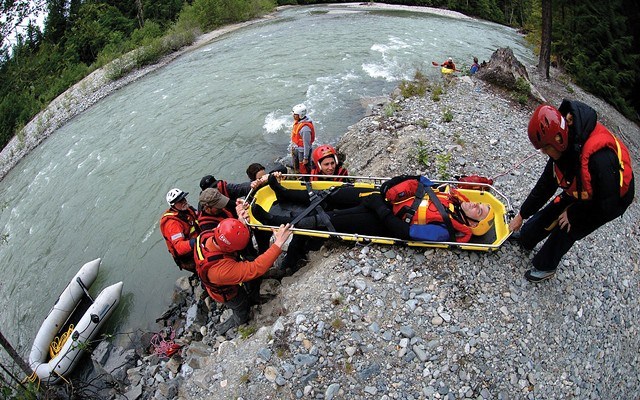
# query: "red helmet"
548,127
322,152
231,235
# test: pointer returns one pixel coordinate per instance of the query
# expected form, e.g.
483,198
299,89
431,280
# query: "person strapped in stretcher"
405,207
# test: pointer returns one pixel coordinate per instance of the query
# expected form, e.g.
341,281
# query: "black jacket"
606,203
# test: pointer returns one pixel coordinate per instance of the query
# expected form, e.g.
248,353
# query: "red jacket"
207,221
221,273
599,139
177,228
318,174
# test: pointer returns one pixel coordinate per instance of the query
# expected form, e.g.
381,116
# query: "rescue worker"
232,192
212,209
448,64
592,167
228,278
303,134
255,171
179,227
325,162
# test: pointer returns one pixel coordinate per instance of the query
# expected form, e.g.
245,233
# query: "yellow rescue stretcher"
492,240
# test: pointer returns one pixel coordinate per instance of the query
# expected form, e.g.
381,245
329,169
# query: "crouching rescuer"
229,276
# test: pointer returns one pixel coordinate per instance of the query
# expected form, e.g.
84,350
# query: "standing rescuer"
179,227
228,277
303,134
590,165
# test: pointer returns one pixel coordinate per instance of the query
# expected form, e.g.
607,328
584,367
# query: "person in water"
590,165
367,212
179,227
449,64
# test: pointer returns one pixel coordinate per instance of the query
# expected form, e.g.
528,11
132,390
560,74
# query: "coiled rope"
163,343
58,342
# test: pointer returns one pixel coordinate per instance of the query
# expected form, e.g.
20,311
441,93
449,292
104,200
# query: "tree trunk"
14,355
140,14
545,40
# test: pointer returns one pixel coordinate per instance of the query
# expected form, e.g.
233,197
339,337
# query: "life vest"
318,175
206,259
208,222
449,65
222,188
600,138
402,196
296,137
190,229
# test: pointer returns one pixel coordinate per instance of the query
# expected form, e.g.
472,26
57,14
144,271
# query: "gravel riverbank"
402,323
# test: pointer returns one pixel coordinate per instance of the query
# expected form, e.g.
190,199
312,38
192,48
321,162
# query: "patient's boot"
284,194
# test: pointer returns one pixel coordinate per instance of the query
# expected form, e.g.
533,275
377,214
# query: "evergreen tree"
55,24
545,39
597,50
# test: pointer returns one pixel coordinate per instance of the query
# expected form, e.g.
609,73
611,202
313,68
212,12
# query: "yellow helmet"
484,225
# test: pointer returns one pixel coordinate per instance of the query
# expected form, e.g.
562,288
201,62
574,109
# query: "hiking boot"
535,275
222,328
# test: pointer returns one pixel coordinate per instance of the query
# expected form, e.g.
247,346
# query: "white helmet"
175,195
300,109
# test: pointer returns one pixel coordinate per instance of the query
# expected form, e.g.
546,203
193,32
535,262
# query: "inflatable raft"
485,193
76,316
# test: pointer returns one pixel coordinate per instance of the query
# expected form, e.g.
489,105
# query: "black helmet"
208,181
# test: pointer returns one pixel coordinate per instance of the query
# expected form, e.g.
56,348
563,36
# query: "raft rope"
58,342
515,166
163,343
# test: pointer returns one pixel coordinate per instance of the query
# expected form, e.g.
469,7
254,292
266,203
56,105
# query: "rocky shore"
361,322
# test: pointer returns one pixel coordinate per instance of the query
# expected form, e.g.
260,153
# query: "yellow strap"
200,255
619,153
58,342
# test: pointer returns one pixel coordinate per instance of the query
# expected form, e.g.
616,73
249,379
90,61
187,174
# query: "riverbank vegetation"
596,42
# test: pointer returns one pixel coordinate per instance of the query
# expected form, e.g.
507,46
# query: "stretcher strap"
411,211
316,199
443,213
